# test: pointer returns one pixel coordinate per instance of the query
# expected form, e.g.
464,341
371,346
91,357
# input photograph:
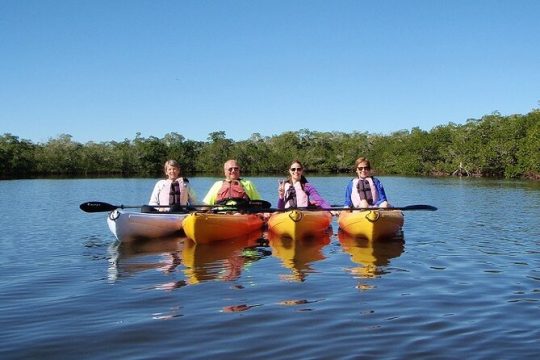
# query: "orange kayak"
207,227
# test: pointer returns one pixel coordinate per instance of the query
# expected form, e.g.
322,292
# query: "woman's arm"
314,196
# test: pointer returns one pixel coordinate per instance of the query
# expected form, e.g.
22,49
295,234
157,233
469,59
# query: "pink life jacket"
173,192
364,189
295,196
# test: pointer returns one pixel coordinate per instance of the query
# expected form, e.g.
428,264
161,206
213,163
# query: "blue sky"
106,70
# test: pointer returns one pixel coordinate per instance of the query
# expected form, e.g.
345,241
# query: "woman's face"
296,171
363,170
172,172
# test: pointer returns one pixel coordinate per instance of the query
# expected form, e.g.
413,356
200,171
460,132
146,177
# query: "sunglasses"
295,169
363,168
231,169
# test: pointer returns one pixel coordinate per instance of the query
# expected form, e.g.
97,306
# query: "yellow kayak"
207,227
298,224
371,224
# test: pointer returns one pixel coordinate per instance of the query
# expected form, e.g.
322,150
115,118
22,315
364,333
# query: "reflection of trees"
298,255
372,256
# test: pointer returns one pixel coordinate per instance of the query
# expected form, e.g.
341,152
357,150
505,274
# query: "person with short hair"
174,190
232,187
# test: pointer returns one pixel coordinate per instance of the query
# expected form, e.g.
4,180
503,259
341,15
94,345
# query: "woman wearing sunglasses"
296,191
365,191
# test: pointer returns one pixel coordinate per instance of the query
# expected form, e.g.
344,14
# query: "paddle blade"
97,206
420,207
254,206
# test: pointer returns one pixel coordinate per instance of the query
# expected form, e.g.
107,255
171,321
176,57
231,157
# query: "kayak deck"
208,227
371,224
128,226
298,224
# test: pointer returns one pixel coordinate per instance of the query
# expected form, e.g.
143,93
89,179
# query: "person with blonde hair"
174,190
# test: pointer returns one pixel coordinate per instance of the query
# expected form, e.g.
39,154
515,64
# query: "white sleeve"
192,198
154,198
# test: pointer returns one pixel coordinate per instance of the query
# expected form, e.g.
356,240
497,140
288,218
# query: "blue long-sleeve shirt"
378,186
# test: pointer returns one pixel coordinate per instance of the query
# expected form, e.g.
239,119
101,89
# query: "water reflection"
372,256
298,254
163,254
220,260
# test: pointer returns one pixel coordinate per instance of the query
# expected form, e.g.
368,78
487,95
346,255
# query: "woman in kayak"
365,191
174,190
296,191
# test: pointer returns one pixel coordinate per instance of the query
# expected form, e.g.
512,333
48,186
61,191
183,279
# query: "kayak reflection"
373,256
298,254
162,254
221,260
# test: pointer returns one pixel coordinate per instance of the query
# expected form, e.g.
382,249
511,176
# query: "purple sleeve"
315,198
281,203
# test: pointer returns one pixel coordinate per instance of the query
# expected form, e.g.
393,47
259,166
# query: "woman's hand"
281,188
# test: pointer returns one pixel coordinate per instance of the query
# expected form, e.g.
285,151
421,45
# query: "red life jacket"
231,189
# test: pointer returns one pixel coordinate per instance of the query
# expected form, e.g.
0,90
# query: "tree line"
493,146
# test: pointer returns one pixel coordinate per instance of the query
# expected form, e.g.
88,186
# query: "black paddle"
98,206
338,208
404,208
243,204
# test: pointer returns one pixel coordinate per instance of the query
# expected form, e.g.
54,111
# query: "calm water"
464,284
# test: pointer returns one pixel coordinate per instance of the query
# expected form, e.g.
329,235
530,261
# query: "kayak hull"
372,224
299,224
130,226
208,227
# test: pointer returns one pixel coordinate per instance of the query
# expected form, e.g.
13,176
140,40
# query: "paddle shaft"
404,208
337,208
98,206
